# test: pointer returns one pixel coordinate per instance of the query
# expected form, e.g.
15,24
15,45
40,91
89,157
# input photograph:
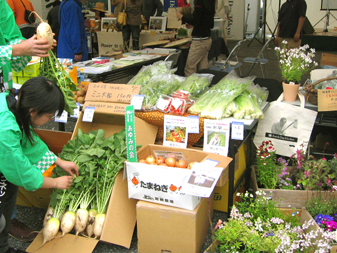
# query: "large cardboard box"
121,214
142,177
55,140
169,229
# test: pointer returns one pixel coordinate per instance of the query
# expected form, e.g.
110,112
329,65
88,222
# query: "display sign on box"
175,131
327,100
216,136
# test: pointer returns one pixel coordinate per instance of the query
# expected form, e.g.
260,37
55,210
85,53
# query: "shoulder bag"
29,17
121,19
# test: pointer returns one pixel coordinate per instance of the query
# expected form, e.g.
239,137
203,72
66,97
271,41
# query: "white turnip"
68,222
82,217
98,225
50,230
48,215
91,221
44,31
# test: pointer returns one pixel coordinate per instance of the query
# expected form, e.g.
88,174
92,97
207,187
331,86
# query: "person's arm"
277,34
197,13
58,183
299,28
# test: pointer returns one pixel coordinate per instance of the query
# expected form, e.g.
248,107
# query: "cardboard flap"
109,92
55,140
121,218
67,244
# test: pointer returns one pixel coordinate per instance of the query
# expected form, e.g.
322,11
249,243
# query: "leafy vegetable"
195,84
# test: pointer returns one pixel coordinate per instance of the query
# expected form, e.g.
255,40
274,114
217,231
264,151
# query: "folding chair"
228,65
259,59
173,57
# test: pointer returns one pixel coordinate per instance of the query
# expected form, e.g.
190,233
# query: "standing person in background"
72,41
290,22
183,3
99,11
117,5
202,22
28,28
53,21
152,7
133,23
222,10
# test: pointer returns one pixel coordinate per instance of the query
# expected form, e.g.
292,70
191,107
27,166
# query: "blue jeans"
127,31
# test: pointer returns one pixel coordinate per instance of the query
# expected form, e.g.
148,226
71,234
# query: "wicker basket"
312,92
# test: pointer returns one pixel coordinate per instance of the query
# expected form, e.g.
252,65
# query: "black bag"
29,16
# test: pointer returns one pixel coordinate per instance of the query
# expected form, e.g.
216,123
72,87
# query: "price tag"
88,114
162,104
137,101
76,111
176,103
63,118
238,130
193,124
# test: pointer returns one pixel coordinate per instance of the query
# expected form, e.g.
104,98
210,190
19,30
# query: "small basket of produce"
321,84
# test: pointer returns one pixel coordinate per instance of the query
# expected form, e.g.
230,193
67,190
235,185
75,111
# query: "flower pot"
290,91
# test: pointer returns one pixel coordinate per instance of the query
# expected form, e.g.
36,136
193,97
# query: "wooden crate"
288,198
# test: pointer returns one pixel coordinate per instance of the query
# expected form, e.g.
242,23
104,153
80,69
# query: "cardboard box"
40,198
334,248
168,229
168,179
221,193
329,59
121,213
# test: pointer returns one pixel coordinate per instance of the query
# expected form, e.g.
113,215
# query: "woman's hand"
31,47
63,182
69,167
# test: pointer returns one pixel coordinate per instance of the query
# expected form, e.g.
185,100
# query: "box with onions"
161,171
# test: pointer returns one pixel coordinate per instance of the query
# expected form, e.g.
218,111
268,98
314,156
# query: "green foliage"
195,84
322,203
52,69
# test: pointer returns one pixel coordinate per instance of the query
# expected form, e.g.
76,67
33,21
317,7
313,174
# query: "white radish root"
44,31
68,222
98,225
91,221
82,217
48,215
50,230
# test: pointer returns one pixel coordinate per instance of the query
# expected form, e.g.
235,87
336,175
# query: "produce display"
99,160
196,84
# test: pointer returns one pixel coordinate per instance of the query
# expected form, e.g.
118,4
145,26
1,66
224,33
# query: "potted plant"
293,184
294,63
258,225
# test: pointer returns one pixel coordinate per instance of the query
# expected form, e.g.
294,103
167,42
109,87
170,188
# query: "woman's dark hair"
41,95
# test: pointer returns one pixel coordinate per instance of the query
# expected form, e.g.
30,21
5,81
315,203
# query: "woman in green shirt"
23,155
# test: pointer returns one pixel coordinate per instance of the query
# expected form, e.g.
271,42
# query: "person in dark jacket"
52,18
72,42
202,21
133,23
152,7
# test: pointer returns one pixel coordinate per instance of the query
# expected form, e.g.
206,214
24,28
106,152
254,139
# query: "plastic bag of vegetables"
260,92
247,107
225,92
196,84
163,84
146,72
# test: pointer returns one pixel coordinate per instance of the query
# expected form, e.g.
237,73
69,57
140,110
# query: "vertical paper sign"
238,129
175,131
130,133
216,136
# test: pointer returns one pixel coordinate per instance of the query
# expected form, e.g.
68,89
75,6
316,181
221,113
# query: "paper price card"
216,136
63,118
88,114
238,130
137,101
76,111
201,180
175,131
193,124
